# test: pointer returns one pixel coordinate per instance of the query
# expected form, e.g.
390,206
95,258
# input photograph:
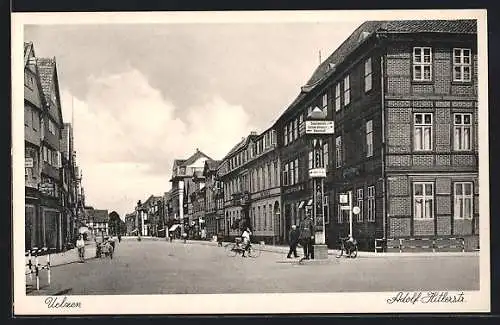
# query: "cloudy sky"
144,95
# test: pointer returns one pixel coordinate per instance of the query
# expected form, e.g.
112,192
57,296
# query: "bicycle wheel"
341,252
231,250
254,252
354,252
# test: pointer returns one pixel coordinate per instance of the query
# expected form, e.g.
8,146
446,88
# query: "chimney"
253,133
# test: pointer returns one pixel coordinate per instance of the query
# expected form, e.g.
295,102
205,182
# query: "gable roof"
370,28
96,215
28,48
243,143
47,72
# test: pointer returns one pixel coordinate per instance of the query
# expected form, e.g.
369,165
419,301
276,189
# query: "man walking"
293,241
306,235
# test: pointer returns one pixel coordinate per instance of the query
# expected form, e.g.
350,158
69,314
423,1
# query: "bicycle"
233,249
350,248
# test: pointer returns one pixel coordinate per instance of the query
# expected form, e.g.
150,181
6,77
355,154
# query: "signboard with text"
317,172
320,127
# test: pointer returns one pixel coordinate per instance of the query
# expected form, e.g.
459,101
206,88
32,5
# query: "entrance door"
51,228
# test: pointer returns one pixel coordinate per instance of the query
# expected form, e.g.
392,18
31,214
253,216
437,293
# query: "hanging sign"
320,127
317,172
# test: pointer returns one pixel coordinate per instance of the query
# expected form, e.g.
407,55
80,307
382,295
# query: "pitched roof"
46,68
28,47
213,164
96,215
244,141
369,28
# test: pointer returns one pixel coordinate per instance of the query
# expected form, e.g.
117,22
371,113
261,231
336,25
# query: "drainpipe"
384,178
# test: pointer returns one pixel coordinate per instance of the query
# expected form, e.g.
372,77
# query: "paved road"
159,267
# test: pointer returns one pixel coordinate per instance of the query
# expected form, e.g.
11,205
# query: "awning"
301,204
83,230
174,227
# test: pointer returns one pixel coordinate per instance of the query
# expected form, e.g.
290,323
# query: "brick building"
403,95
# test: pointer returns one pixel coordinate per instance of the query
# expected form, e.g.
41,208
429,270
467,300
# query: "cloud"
127,136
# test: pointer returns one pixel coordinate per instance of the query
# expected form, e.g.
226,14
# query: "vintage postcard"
250,162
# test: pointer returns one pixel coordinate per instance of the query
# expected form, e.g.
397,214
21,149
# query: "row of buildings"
403,96
54,196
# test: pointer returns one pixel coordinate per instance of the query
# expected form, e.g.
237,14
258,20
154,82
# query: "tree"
114,223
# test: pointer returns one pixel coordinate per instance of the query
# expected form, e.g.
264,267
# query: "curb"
284,250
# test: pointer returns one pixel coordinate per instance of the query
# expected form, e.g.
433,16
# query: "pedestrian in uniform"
306,235
293,241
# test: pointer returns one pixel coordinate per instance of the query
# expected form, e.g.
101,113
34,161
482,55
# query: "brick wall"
423,227
399,227
443,225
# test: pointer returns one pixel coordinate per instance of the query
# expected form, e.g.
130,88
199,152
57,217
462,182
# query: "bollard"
48,268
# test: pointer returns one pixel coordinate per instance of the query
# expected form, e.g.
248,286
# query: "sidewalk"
67,257
335,252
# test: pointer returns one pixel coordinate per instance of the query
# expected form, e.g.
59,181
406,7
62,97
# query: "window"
359,200
369,138
296,180
325,155
339,213
463,200
292,172
423,200
338,151
371,204
34,120
271,223
290,132
258,218
347,90
27,116
296,129
285,175
368,74
285,135
462,132
52,128
302,128
324,102
337,97
461,64
269,175
276,170
326,209
264,212
422,64
310,159
423,131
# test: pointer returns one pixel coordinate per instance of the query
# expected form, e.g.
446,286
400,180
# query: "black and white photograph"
250,162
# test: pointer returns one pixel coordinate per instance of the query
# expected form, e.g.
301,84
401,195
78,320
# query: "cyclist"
349,245
246,240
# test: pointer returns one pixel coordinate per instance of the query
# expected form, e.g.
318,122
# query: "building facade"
212,198
46,217
183,186
33,108
264,188
97,221
403,96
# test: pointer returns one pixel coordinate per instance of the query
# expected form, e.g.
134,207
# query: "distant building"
97,221
213,200
183,186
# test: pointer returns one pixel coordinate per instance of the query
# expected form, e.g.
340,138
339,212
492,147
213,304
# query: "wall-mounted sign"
28,162
343,199
317,172
320,127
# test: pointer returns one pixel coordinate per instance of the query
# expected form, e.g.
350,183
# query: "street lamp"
317,129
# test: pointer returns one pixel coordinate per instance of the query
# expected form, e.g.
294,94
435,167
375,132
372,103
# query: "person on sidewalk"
246,241
80,245
293,241
306,236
